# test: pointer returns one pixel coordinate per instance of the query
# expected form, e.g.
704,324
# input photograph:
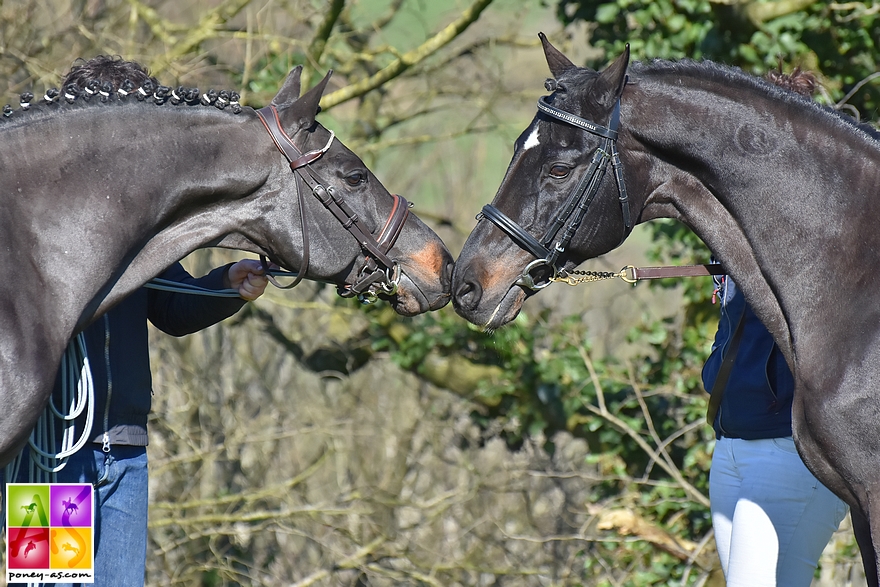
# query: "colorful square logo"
50,532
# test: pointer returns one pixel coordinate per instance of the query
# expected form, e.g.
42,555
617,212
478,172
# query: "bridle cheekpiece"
548,249
380,274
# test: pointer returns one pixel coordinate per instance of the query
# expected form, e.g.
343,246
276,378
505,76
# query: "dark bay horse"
98,196
782,190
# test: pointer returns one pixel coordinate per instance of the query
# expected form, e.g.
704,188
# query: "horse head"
555,189
349,229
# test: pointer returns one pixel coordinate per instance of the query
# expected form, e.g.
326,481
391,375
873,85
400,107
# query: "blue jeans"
772,517
121,502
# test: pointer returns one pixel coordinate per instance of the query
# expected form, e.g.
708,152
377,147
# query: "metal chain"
578,277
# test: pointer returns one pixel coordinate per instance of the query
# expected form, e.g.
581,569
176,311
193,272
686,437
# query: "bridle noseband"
575,208
380,274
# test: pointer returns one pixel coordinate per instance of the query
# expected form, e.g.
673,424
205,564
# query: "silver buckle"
526,280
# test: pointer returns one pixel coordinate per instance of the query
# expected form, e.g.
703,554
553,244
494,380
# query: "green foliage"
271,70
837,41
642,418
675,244
632,414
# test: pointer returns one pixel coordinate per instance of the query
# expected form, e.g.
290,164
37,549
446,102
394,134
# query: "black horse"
100,192
782,190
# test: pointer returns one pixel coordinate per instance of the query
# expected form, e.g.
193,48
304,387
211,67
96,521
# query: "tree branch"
407,60
319,41
348,562
602,411
761,12
205,29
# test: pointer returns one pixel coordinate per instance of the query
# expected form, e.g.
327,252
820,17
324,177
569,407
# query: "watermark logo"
50,531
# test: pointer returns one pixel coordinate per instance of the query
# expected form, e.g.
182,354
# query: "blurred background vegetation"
311,441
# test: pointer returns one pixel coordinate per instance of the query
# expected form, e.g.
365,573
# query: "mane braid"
51,95
75,96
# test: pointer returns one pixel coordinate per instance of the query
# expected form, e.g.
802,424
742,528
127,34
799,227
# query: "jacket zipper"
105,439
725,313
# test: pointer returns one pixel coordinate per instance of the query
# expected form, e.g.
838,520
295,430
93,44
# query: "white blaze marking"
532,141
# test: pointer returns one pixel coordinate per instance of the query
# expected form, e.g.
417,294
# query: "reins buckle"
387,281
392,280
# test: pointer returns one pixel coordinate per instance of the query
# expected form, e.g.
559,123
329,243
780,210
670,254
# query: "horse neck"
779,190
738,140
149,159
116,177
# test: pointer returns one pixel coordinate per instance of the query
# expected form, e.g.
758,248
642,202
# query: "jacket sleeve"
179,314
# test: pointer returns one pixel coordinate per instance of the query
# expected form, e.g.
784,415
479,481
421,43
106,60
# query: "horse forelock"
576,77
570,88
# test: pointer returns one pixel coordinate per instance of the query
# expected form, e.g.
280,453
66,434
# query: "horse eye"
356,178
559,171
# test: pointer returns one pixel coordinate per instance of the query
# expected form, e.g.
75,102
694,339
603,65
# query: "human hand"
248,277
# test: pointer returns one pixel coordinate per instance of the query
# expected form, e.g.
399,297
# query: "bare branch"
322,33
407,60
348,562
206,28
603,412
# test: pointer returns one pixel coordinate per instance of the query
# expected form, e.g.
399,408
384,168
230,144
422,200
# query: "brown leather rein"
380,274
680,271
631,274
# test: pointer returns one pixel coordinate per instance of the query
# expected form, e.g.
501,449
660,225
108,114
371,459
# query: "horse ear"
302,113
557,62
289,92
611,81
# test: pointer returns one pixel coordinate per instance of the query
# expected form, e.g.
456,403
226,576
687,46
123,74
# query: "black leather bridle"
380,274
571,215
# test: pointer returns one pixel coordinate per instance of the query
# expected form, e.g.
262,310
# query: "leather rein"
572,213
380,274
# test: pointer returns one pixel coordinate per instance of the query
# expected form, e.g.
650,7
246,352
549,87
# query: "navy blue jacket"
173,313
758,396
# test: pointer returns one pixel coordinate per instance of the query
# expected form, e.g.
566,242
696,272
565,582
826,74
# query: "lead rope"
45,461
105,440
77,397
44,466
575,277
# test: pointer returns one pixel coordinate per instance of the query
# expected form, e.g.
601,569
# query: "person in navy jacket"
772,517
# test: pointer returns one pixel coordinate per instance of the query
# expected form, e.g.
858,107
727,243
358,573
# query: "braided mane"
97,93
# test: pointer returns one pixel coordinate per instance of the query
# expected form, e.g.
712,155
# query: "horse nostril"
446,276
468,294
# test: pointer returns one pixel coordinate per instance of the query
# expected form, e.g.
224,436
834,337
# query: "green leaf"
607,13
